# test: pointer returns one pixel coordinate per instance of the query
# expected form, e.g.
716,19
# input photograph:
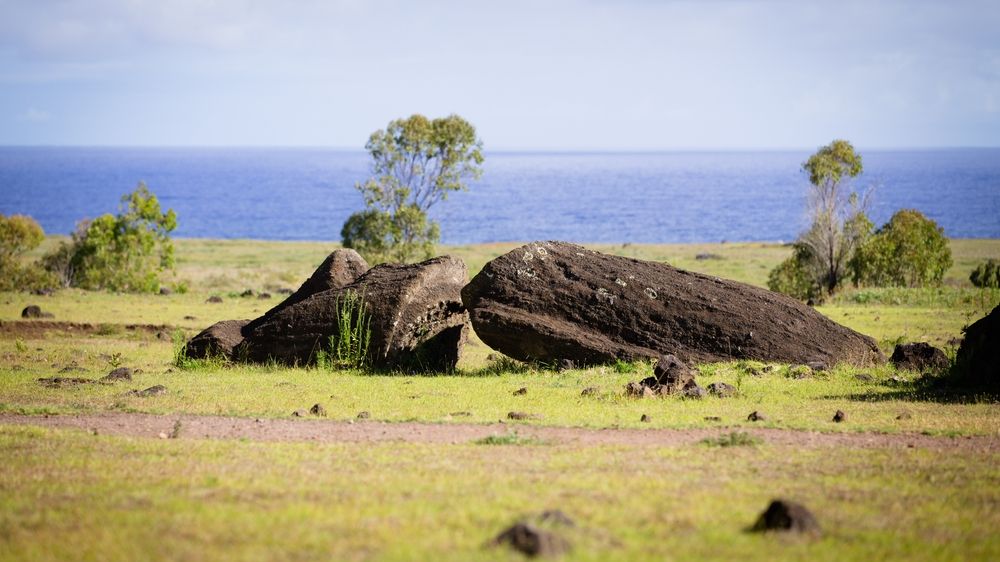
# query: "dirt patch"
33,329
330,431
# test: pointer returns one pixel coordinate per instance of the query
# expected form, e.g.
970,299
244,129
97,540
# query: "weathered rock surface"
978,359
918,357
341,268
787,516
218,340
416,315
549,301
34,311
670,376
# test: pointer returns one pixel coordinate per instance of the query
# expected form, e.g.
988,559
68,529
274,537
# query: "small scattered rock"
786,516
189,317
919,356
708,256
166,291
34,311
155,390
713,418
721,389
818,366
59,382
566,365
864,377
532,541
839,416
521,391
589,391
522,416
460,414
693,391
264,296
247,293
756,416
364,415
119,374
318,410
215,299
904,416
45,292
299,414
645,419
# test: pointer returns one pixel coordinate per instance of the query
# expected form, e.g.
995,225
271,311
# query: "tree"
20,234
416,163
908,251
986,274
838,223
124,252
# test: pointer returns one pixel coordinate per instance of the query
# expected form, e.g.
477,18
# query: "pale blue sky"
564,75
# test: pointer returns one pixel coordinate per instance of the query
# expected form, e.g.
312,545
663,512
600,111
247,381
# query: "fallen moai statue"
414,312
553,301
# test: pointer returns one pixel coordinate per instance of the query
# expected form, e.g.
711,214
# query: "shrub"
124,252
792,277
908,251
20,234
986,275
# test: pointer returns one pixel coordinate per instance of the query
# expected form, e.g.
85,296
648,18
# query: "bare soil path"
365,431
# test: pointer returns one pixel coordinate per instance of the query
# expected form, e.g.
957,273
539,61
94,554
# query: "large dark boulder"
417,319
918,356
550,301
341,268
978,360
218,340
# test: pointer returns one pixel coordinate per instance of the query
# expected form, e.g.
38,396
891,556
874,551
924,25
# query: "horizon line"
536,150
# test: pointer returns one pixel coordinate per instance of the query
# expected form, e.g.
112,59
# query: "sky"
530,75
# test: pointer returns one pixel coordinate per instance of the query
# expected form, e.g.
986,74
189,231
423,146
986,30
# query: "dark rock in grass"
155,390
338,270
166,291
672,375
839,416
247,293
218,340
189,317
417,321
713,418
532,541
264,296
318,410
708,256
818,366
566,365
299,414
645,419
119,374
589,391
60,382
694,391
364,415
460,414
549,301
977,363
756,416
864,377
35,311
522,416
214,299
521,391
721,389
904,416
918,357
43,292
786,516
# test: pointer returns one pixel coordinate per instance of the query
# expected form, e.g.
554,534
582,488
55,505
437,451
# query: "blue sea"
306,194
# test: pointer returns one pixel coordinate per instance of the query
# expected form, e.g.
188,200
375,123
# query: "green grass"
70,495
733,439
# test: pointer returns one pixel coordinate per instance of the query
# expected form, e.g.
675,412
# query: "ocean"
656,197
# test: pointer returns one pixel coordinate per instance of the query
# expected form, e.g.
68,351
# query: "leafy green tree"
20,234
838,225
986,274
124,252
416,163
908,251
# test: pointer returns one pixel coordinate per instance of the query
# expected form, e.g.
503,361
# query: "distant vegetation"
20,234
986,275
908,251
124,252
416,162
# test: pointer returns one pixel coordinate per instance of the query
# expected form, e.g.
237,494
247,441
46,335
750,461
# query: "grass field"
71,495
